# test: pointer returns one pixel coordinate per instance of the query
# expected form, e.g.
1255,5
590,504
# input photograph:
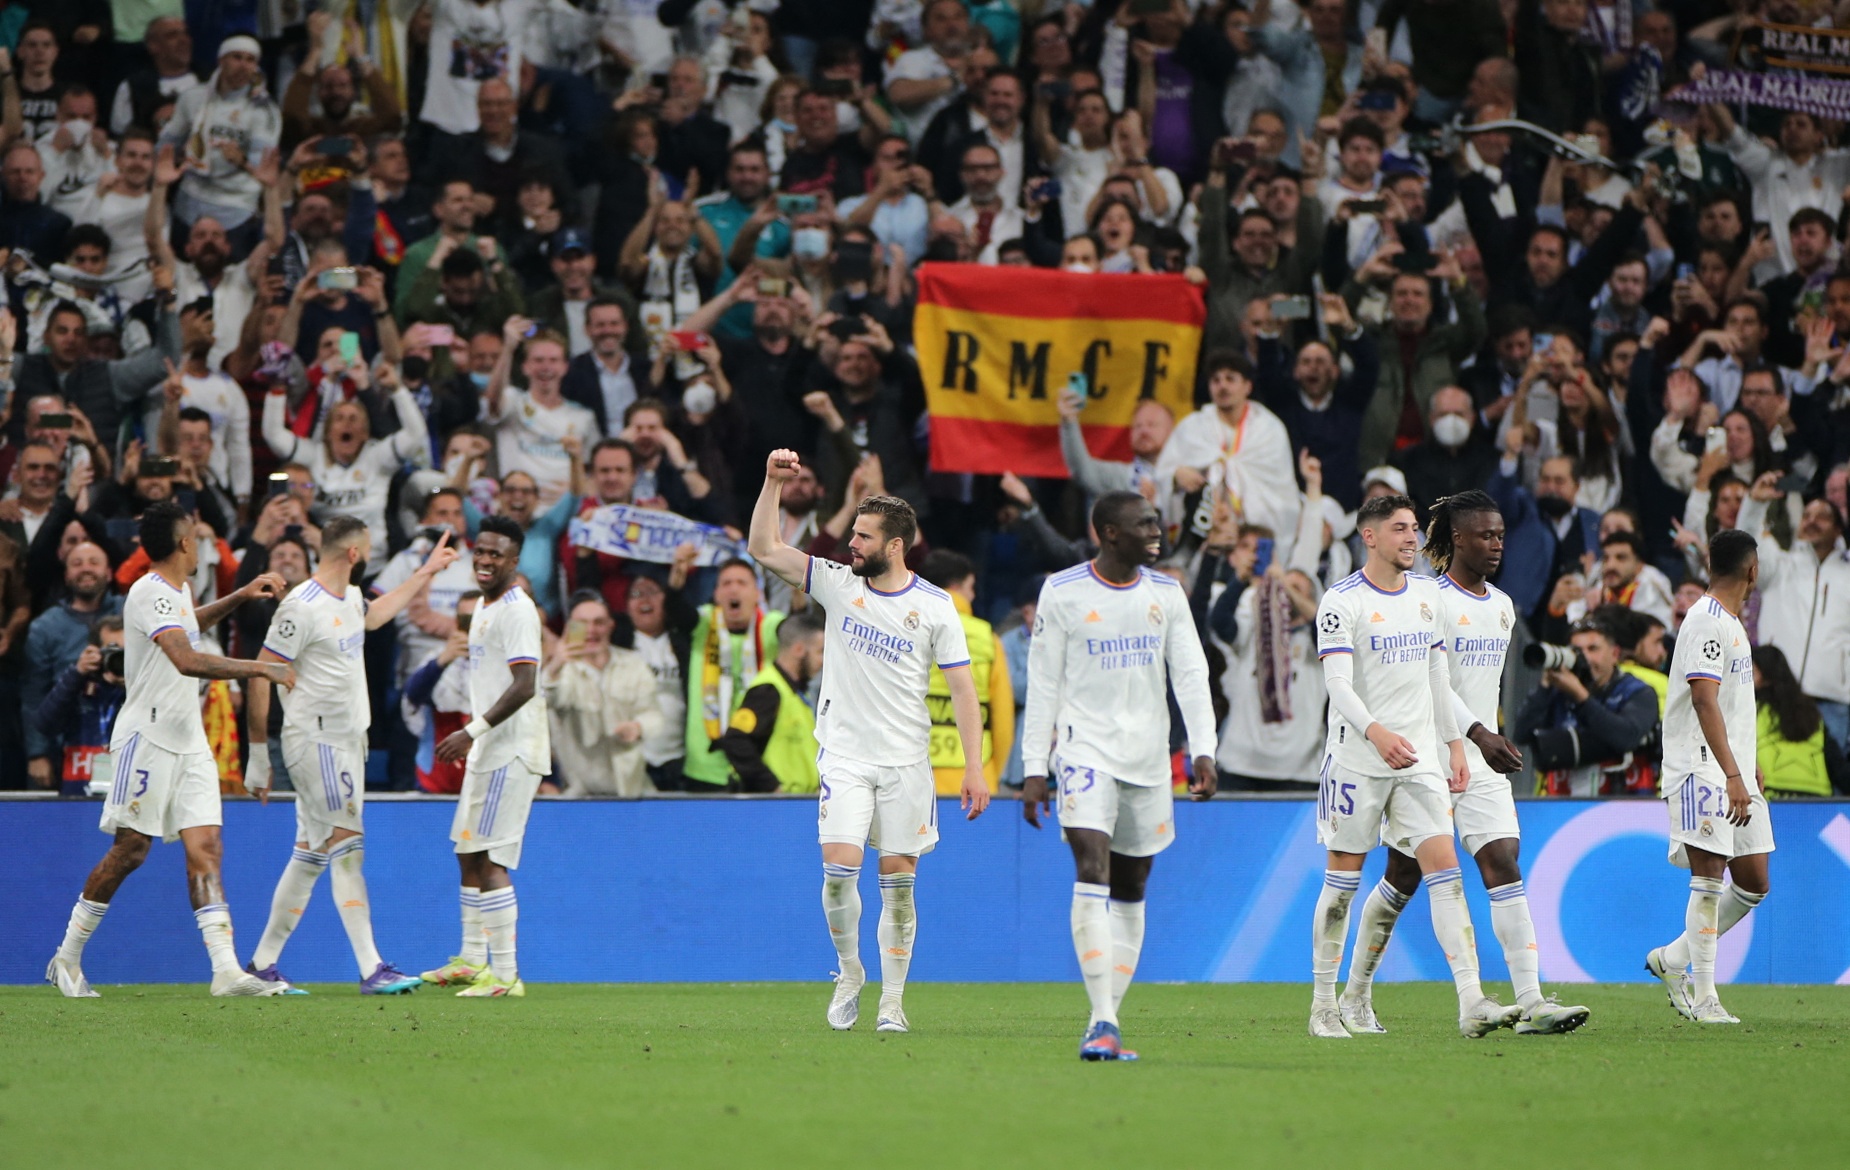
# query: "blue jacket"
1529,543
53,642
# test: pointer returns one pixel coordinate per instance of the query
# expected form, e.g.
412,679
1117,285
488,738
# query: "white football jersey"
530,438
1712,644
162,705
502,634
1100,665
1476,631
324,636
878,653
1388,636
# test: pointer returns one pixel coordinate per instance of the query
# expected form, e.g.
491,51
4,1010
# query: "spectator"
148,95
669,261
1590,730
1232,446
693,143
55,642
436,702
105,391
565,306
1805,601
601,702
221,131
455,212
426,623
922,81
1792,753
770,741
1738,348
35,53
331,87
1625,579
497,157
1250,265
464,290
606,380
1549,538
1802,173
481,41
1151,426
1321,406
659,627
956,575
1456,455
531,425
746,211
825,161
1421,349
734,638
27,221
81,710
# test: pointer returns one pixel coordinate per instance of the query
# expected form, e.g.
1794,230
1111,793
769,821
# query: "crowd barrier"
695,890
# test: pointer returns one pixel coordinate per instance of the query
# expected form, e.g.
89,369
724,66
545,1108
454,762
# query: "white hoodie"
203,117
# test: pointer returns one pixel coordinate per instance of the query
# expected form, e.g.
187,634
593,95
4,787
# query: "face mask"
1553,507
809,243
78,129
1451,430
415,368
1078,267
699,398
480,380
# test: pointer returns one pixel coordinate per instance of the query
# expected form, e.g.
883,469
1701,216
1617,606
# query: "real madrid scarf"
725,649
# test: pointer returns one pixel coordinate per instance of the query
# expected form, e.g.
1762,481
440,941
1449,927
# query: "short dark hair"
1378,509
160,529
341,531
736,563
606,301
86,233
1549,229
437,494
200,304
1755,300
1729,551
1811,215
1627,538
612,444
63,307
1363,127
1109,510
944,566
655,405
897,519
503,526
193,414
1226,359
460,263
799,626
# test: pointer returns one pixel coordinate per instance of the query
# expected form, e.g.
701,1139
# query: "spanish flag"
997,345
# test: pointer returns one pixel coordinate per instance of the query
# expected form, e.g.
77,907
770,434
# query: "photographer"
1592,729
55,641
80,711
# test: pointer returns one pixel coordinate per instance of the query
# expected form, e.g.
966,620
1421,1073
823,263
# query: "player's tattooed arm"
1705,697
455,746
263,586
766,542
193,664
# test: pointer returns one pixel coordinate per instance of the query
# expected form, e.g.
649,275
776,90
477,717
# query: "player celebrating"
166,780
886,628
509,753
1384,665
1464,542
1106,634
321,628
1717,820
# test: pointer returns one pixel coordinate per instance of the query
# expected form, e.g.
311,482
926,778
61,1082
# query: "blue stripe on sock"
829,869
1441,876
1392,896
1341,880
1507,893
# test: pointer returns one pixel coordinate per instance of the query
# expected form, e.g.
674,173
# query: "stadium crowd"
419,263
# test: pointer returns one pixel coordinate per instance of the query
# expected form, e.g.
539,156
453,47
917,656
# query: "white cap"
1341,523
241,44
1391,476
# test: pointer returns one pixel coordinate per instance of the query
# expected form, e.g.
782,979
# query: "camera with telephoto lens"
112,660
1544,656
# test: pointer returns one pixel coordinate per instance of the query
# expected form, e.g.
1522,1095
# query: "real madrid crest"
1425,612
1503,619
912,620
1156,614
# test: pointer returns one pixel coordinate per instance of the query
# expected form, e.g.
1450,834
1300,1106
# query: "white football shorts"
1699,819
1355,813
330,785
895,810
491,811
157,793
1139,819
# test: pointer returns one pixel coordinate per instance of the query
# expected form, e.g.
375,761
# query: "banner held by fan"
996,346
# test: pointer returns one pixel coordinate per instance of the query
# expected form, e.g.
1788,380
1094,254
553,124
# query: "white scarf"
670,295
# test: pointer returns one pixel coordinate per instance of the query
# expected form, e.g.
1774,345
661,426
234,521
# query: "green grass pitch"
749,1075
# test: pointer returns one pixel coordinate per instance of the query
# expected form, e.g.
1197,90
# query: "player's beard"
356,573
873,564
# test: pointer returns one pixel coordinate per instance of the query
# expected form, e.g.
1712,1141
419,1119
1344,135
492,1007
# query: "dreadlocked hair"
1445,511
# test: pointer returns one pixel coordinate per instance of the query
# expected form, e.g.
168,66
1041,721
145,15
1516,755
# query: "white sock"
841,905
1509,918
474,943
1328,932
215,927
1126,946
293,891
1451,925
356,914
899,924
1092,943
86,916
1380,911
1701,932
499,913
1736,904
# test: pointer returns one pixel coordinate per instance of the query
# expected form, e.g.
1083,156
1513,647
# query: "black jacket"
581,385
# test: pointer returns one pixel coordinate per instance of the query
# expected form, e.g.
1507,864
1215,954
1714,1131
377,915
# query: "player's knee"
131,849
1498,862
1403,872
205,854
